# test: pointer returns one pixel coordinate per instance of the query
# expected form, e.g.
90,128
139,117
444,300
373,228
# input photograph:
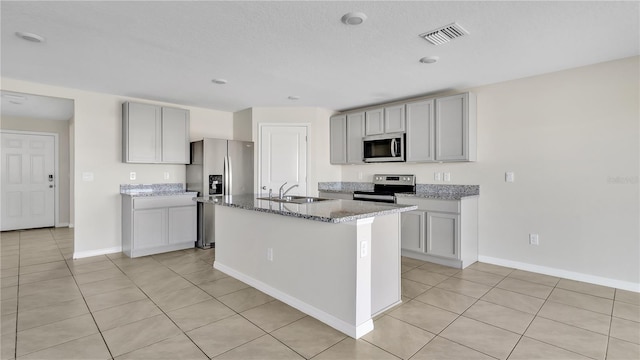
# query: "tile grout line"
15,345
159,308
454,320
73,275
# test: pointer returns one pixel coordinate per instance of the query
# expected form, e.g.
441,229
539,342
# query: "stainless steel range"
386,186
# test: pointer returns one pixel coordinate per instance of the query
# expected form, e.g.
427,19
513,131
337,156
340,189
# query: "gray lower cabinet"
156,224
412,230
441,231
154,134
443,234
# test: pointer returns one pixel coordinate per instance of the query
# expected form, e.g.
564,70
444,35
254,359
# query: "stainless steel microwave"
383,148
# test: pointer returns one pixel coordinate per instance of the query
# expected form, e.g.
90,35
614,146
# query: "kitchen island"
336,260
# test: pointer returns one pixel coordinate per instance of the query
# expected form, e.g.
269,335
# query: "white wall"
97,127
243,125
318,166
60,127
571,138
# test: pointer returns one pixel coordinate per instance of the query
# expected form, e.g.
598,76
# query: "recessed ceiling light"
30,37
294,97
354,18
219,81
429,59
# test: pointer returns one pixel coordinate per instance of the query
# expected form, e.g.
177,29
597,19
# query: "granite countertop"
332,211
427,191
344,187
171,189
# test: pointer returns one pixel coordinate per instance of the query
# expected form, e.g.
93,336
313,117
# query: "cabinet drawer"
450,206
162,201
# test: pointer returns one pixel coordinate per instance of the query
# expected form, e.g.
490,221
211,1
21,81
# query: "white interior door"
283,158
28,180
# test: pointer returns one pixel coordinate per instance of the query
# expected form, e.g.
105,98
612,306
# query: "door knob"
264,187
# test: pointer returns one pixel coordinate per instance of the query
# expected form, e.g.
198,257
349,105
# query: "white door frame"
258,182
56,190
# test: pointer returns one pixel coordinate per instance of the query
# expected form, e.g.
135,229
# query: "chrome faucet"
281,194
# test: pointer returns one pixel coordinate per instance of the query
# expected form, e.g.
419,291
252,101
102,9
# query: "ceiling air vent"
444,34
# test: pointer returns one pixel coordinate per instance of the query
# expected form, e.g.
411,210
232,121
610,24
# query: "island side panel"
385,260
315,267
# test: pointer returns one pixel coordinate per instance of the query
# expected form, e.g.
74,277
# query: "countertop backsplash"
153,189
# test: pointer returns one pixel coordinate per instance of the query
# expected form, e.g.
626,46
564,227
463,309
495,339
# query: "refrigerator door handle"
230,175
225,177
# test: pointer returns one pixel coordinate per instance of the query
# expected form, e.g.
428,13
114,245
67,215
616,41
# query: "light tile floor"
176,306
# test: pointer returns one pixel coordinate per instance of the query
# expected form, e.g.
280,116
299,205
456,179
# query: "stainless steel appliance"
383,148
386,186
218,167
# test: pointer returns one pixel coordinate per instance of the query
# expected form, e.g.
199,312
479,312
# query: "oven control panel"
385,179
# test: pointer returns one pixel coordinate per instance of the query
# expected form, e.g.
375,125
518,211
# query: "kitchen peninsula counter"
336,260
331,211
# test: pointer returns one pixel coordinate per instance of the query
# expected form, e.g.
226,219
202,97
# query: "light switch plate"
509,176
166,175
447,176
87,176
437,176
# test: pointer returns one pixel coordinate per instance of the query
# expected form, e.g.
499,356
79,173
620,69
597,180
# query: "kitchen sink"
294,199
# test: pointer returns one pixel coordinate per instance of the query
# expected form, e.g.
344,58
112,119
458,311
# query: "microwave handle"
393,147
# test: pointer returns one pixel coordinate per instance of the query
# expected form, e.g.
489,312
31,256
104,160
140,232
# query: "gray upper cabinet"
455,126
338,139
374,122
385,120
355,133
441,129
175,136
394,120
154,134
346,132
142,133
420,131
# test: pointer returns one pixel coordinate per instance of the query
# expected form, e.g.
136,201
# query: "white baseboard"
571,275
90,253
355,331
71,225
61,225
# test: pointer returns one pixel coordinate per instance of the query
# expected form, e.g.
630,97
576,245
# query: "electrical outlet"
437,176
132,175
447,176
533,239
360,175
270,254
364,249
166,175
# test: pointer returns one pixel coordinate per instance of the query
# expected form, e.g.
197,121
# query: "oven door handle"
393,147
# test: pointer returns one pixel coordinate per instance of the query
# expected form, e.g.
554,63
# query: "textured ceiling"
170,51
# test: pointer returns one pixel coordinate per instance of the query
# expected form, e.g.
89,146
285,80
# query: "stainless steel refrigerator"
218,167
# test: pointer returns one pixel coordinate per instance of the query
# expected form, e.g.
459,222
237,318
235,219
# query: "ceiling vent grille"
444,34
